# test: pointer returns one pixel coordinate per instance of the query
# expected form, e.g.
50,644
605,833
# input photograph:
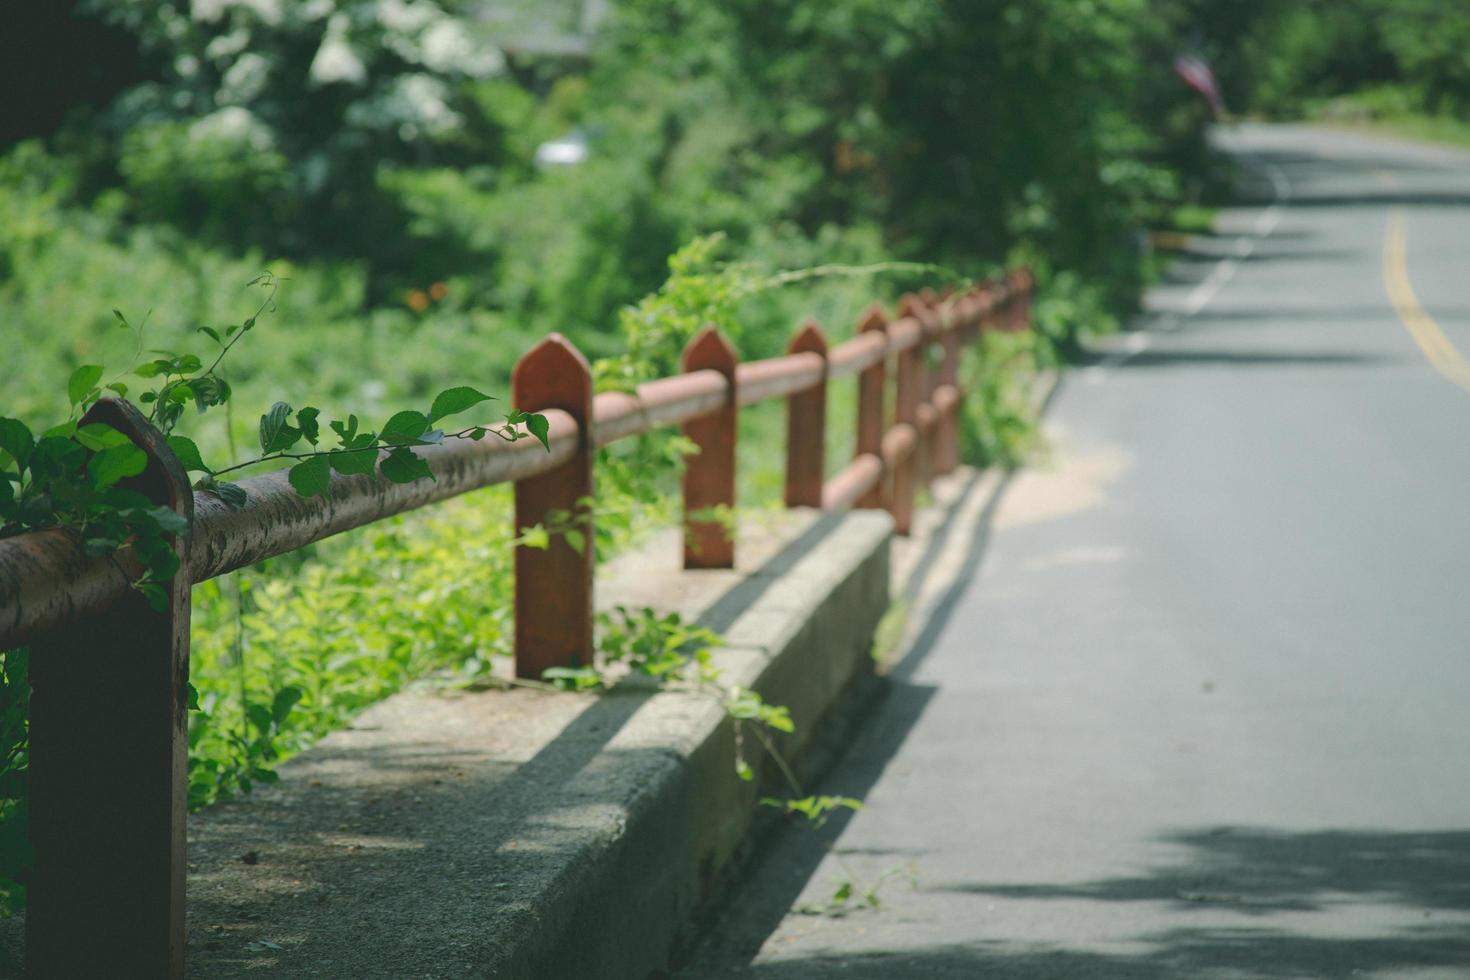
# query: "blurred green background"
441,182
403,162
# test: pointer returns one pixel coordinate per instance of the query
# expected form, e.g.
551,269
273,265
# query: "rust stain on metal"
709,476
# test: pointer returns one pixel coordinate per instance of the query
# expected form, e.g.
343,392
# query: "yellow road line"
1442,355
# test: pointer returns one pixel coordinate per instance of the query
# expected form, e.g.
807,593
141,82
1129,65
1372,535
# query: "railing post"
871,385
925,419
108,765
906,412
1026,287
554,584
806,426
947,435
709,476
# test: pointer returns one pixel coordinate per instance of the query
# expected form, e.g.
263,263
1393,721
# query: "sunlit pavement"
1203,708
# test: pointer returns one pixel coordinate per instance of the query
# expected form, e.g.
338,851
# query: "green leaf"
100,545
452,401
170,520
156,595
402,465
306,420
743,770
404,428
780,721
212,334
536,537
16,440
260,717
355,463
575,540
82,381
116,463
193,697
188,454
118,388
573,678
275,435
231,493
98,436
209,390
284,701
346,432
311,477
539,428
122,320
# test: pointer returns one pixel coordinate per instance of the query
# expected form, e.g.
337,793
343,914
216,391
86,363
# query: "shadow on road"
1242,870
1174,357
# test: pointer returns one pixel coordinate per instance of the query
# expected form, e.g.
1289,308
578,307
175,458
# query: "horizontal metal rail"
777,377
856,355
45,579
851,482
657,405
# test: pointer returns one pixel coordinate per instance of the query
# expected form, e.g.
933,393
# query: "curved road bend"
1203,708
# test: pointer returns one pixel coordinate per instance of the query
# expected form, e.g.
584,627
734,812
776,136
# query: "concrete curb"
525,834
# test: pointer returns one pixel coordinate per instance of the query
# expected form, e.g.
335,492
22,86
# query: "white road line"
1265,224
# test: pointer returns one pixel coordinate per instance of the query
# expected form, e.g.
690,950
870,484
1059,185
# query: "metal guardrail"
109,675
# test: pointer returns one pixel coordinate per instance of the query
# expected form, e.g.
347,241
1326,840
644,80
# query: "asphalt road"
1203,707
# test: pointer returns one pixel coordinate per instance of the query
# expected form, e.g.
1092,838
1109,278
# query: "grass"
1389,110
1419,128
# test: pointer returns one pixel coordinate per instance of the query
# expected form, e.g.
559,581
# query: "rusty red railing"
109,674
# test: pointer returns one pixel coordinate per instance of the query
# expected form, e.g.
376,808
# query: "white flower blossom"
226,46
448,47
208,11
245,79
406,17
335,60
234,124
